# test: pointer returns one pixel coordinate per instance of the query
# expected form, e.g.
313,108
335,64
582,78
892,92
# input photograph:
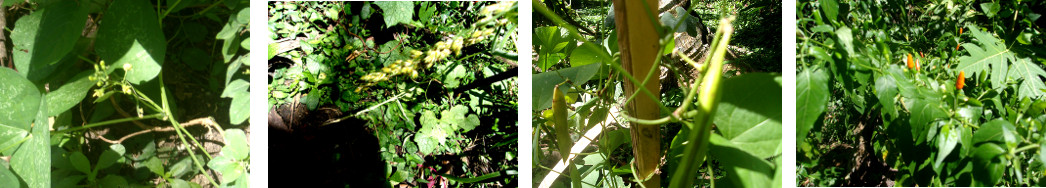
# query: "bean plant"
722,129
125,93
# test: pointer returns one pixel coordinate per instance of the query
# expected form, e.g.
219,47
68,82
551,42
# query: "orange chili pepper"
921,55
960,31
911,63
959,82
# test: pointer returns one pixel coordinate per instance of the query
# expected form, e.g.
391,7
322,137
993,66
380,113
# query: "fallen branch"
206,121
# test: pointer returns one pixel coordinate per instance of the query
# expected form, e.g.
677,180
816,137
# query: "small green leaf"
108,158
131,35
227,166
113,180
80,162
155,165
7,178
846,38
236,144
32,160
453,78
544,83
946,141
990,9
830,8
239,91
70,94
179,183
585,55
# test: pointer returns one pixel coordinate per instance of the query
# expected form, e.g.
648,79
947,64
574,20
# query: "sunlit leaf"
131,35
811,98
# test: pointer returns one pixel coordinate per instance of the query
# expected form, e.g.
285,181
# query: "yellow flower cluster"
442,49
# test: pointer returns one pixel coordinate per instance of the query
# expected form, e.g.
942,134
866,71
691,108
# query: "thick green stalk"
109,122
708,100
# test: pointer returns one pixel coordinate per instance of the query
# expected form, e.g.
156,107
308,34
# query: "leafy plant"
957,116
57,136
429,80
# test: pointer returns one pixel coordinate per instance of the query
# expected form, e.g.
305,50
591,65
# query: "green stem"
695,151
109,122
663,120
179,129
169,8
1026,147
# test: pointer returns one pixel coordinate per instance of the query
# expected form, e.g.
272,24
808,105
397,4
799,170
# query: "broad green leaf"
994,131
988,164
80,162
155,165
544,83
923,113
585,55
1032,86
846,38
10,136
18,98
886,91
742,168
751,120
396,12
830,8
239,91
811,98
180,168
42,38
990,56
7,178
131,35
32,160
426,136
946,141
230,37
70,94
236,144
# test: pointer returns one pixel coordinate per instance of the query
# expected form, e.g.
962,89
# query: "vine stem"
695,151
179,129
109,122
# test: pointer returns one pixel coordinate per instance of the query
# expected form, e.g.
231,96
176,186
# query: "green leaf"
990,9
991,56
181,167
236,144
751,120
586,55
396,12
998,130
812,96
10,136
32,160
544,83
179,183
923,113
846,38
830,8
155,165
946,141
239,91
1032,86
113,180
108,158
742,169
196,58
230,168
886,91
42,38
7,178
131,35
70,94
80,162
453,78
988,164
430,136
18,98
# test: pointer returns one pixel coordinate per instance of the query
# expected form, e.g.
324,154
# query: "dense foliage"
158,77
914,93
433,82
582,134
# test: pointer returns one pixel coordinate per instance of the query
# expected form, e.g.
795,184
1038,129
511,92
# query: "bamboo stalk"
639,48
